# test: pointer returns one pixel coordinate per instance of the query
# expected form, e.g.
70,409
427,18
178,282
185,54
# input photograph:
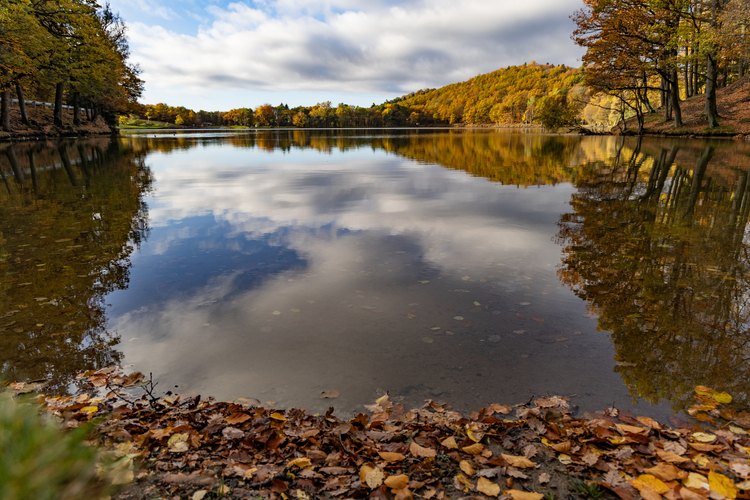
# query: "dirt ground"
733,104
42,120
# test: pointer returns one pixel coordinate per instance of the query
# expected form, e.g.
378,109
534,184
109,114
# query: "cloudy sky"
218,55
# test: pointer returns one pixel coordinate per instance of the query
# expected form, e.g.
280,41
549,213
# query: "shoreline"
196,448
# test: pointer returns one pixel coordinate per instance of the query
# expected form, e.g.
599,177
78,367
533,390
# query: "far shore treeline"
643,58
72,52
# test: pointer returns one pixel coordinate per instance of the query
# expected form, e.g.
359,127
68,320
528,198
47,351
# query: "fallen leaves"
487,487
431,453
330,394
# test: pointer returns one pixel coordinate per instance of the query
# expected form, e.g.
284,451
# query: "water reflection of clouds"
347,243
449,212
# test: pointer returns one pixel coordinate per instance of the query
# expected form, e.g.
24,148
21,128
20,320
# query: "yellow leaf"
299,462
474,435
744,485
650,482
564,459
720,397
450,443
420,451
178,443
390,456
722,485
737,430
523,495
463,483
278,416
466,467
474,449
381,400
696,481
397,482
487,487
701,460
520,462
90,409
704,437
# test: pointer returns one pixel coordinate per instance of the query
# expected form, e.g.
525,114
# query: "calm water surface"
465,266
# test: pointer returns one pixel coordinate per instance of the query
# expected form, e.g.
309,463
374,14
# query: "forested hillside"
70,52
512,95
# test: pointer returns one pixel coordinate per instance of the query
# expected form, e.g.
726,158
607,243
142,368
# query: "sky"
218,55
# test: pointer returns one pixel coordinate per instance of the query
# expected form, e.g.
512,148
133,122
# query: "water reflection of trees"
658,249
71,214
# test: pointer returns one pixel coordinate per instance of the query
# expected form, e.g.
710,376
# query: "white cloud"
351,45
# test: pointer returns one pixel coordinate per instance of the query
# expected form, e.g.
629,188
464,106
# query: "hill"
511,95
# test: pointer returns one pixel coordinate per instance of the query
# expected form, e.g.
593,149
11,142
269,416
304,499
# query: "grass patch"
39,460
136,123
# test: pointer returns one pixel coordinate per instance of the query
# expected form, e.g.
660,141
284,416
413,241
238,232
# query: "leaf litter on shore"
183,447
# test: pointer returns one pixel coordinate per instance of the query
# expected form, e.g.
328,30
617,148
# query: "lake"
464,266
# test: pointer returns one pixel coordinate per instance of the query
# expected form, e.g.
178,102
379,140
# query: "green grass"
40,460
134,123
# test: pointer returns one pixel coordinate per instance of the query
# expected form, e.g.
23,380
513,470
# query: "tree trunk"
59,88
646,100
32,168
675,92
688,87
695,183
5,111
76,110
22,105
63,150
710,107
17,171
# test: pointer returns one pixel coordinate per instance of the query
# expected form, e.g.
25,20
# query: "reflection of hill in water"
508,158
657,247
70,216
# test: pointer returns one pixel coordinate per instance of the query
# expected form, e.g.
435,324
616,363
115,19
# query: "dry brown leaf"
523,495
403,494
487,487
668,456
520,462
631,429
667,472
562,447
450,443
544,478
649,422
391,457
374,477
330,394
501,409
474,449
421,451
688,494
397,482
590,458
674,447
237,418
466,467
462,484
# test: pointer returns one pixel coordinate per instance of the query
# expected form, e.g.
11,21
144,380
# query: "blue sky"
219,55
